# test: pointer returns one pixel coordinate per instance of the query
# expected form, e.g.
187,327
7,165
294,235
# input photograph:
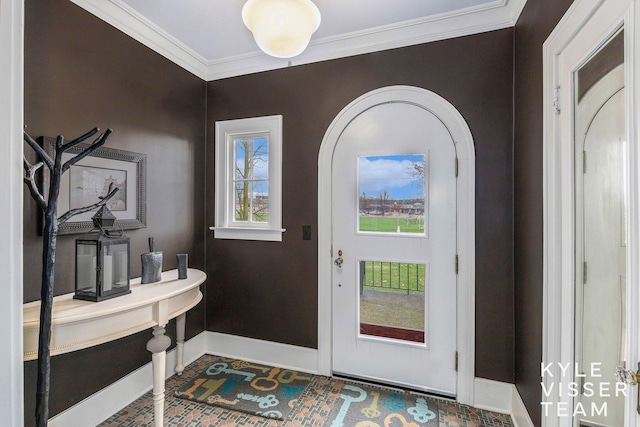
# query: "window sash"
263,183
247,178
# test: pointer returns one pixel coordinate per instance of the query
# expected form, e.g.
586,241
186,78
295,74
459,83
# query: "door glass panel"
392,300
392,196
600,155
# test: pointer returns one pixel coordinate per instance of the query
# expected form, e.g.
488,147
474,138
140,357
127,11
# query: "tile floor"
312,411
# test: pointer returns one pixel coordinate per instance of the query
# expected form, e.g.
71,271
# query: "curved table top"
78,324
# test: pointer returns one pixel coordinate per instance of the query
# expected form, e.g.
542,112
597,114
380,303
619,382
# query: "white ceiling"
208,38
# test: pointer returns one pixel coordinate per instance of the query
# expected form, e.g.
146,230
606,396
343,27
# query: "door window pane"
391,193
392,300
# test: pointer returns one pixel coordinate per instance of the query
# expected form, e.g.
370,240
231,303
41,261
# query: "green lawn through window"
390,224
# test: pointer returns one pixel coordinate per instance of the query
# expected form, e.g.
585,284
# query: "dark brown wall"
80,73
268,290
534,26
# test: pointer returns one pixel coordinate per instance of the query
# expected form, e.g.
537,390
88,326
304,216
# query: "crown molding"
496,15
129,21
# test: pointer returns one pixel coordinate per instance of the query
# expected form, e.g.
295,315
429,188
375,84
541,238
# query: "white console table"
80,324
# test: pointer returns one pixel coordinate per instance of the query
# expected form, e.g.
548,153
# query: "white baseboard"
101,405
489,395
519,413
263,352
493,396
501,397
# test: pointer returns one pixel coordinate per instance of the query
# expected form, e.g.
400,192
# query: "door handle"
625,376
629,377
338,261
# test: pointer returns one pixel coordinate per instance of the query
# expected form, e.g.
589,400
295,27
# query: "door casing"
465,153
11,193
586,26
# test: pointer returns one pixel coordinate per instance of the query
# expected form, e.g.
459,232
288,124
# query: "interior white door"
601,290
394,245
594,322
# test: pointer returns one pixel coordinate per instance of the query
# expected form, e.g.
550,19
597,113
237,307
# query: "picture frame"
89,179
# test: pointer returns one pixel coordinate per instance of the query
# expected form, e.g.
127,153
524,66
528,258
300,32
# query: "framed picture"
89,179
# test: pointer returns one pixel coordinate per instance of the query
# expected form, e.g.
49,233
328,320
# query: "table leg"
180,327
158,347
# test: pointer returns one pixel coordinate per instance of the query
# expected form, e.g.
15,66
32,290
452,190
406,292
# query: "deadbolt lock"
338,261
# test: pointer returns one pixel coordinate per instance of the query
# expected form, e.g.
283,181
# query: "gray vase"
182,265
151,265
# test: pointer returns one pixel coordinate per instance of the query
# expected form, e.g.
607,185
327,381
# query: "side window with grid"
249,179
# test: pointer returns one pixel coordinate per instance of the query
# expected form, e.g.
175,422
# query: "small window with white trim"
248,175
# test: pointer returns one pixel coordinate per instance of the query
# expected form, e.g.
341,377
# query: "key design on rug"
271,414
421,412
220,368
364,406
209,385
372,411
264,402
270,383
244,386
288,376
241,364
348,400
290,392
395,402
387,422
216,398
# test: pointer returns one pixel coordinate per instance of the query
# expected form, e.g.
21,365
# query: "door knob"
338,261
627,376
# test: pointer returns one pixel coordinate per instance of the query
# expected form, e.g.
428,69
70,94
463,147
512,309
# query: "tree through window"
251,183
248,179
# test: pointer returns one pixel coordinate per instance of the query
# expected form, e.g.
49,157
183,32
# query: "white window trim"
225,227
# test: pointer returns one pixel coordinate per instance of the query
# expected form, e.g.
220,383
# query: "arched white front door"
396,213
394,229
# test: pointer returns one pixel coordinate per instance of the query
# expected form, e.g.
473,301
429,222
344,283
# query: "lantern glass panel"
115,267
87,255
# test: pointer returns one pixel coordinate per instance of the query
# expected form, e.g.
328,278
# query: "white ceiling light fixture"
281,28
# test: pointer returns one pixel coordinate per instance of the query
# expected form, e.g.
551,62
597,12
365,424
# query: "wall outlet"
306,232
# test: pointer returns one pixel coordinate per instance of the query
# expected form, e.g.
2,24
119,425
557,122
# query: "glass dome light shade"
281,28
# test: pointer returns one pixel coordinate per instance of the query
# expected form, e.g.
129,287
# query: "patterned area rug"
256,389
312,409
362,406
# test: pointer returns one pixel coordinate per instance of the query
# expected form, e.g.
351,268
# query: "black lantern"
102,261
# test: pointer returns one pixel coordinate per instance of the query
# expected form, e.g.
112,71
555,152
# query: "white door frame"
465,152
563,53
11,190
